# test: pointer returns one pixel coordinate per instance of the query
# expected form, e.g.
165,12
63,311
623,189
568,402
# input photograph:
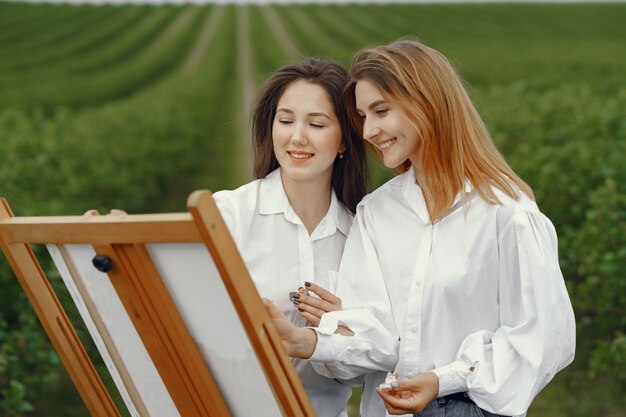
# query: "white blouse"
280,256
479,288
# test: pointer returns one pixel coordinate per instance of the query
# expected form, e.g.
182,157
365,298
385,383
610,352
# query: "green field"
133,107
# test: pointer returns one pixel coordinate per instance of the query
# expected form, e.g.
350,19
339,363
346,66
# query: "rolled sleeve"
371,348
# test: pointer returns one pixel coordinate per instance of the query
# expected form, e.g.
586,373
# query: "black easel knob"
102,263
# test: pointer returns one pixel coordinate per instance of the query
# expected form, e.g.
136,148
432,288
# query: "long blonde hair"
454,142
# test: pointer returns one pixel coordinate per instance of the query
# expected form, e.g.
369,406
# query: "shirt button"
306,258
413,329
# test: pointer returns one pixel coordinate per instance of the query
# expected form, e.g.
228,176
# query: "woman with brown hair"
450,275
291,224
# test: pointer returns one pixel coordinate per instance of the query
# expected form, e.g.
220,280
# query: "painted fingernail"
296,302
307,284
300,309
292,295
296,296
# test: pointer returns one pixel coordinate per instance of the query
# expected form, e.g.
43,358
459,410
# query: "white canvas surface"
200,295
192,279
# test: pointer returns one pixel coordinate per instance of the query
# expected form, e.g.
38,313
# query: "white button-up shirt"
479,288
280,256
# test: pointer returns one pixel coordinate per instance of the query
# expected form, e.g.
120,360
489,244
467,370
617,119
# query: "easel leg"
57,325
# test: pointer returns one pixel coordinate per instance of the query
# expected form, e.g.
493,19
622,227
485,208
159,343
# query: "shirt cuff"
452,378
327,347
329,344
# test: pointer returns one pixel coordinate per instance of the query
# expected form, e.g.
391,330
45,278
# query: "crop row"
151,50
63,61
104,30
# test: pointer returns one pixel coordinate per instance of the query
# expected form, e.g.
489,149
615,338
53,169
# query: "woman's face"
385,126
306,133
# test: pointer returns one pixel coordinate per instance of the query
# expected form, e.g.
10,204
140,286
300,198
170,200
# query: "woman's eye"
317,125
381,112
285,121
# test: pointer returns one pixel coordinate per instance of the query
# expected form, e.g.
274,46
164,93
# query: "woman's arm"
366,311
361,338
503,370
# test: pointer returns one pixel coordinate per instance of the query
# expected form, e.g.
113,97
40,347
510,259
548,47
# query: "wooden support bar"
257,323
101,230
56,323
163,332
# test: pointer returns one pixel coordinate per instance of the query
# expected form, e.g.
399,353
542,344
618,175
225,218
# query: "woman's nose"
369,130
298,137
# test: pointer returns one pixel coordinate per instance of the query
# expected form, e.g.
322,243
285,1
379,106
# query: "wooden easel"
122,239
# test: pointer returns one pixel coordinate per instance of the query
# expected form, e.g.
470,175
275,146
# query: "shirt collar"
337,216
272,197
413,194
273,200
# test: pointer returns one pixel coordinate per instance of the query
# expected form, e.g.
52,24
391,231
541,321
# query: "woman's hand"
312,308
412,395
298,342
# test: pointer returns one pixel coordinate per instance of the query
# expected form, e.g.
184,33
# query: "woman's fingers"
412,395
324,294
393,403
303,298
304,307
312,308
312,319
314,302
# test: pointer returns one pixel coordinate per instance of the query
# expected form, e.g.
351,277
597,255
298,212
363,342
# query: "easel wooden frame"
148,303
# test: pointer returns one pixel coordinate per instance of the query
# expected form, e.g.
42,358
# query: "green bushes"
141,154
569,143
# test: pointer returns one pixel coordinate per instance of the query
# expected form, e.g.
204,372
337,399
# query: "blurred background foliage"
135,106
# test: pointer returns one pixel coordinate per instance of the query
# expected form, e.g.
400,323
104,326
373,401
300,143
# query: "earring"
341,155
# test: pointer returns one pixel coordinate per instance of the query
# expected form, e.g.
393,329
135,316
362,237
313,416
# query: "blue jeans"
456,405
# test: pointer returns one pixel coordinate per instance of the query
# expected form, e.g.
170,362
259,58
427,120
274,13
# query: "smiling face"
385,126
306,133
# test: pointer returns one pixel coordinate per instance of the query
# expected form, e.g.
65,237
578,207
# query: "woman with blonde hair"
450,275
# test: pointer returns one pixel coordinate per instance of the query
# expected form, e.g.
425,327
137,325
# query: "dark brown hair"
350,175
